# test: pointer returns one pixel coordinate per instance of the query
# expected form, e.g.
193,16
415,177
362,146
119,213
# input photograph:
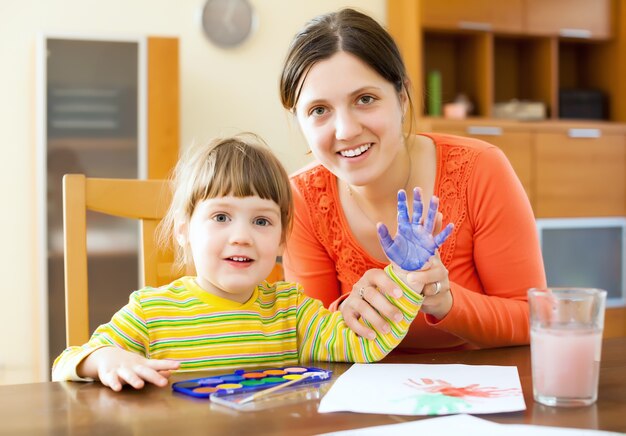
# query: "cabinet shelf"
568,167
524,70
461,58
498,63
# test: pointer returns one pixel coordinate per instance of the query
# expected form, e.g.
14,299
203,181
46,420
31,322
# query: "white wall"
221,92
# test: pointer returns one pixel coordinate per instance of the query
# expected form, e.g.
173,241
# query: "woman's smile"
355,152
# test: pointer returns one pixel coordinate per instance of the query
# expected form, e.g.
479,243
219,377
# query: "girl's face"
351,118
234,243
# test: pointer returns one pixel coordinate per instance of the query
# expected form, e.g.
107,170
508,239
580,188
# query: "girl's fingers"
111,380
441,237
162,364
418,208
438,223
130,377
150,375
384,237
403,209
432,214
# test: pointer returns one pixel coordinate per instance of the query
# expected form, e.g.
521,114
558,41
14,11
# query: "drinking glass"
566,342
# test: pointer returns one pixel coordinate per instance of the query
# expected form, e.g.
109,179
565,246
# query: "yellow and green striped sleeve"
324,335
127,330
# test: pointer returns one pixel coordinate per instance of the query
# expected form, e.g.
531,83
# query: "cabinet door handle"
484,130
475,25
584,133
575,33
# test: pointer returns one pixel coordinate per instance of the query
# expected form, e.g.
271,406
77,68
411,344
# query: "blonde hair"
241,166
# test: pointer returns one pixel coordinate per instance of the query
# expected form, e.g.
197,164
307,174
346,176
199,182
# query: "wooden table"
89,408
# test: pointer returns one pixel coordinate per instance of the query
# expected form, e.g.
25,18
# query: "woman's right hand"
367,300
115,367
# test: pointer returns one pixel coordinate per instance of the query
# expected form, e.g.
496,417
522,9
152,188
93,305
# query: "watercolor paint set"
258,389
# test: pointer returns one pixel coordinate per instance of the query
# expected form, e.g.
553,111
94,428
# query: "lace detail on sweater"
318,187
454,167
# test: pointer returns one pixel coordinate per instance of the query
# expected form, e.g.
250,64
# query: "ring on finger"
362,292
437,287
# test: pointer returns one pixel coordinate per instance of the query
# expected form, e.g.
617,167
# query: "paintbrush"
271,390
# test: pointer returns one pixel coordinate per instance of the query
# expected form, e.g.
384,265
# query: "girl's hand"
414,243
367,302
115,367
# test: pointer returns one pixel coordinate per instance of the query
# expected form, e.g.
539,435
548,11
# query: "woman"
346,84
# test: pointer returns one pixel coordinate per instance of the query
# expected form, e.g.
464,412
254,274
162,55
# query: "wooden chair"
144,200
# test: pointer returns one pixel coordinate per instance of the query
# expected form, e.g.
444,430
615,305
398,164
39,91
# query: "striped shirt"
279,325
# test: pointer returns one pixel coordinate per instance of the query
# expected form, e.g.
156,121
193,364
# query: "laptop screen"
585,252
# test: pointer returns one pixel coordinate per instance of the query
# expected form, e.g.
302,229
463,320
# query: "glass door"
93,119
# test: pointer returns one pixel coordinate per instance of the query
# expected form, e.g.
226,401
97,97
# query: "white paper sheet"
415,389
466,425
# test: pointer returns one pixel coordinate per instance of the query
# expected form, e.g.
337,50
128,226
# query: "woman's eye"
262,222
366,99
221,217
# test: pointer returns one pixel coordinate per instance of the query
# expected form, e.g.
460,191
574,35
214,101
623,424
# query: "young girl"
229,217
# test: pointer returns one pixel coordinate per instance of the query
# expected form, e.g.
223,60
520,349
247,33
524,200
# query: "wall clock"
228,23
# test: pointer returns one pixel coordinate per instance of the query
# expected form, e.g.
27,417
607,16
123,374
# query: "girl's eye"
318,111
221,218
366,99
262,222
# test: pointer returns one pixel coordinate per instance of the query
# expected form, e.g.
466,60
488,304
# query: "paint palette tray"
235,390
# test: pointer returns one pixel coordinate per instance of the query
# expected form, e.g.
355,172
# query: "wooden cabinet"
463,62
580,172
567,169
475,15
563,176
500,62
569,18
525,69
549,52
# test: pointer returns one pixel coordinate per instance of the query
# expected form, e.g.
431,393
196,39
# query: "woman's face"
351,118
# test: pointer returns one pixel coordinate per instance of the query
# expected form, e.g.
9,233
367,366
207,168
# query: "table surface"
90,408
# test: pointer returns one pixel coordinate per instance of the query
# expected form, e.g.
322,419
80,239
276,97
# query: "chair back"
144,200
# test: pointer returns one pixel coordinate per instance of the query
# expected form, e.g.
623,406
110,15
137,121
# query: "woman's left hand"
435,285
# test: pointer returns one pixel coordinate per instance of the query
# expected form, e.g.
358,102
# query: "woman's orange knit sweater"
493,255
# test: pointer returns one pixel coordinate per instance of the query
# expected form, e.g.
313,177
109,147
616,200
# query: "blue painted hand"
414,243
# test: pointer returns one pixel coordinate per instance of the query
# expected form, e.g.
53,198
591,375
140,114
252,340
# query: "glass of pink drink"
566,342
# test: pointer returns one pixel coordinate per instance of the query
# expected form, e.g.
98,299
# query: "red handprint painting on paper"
440,396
